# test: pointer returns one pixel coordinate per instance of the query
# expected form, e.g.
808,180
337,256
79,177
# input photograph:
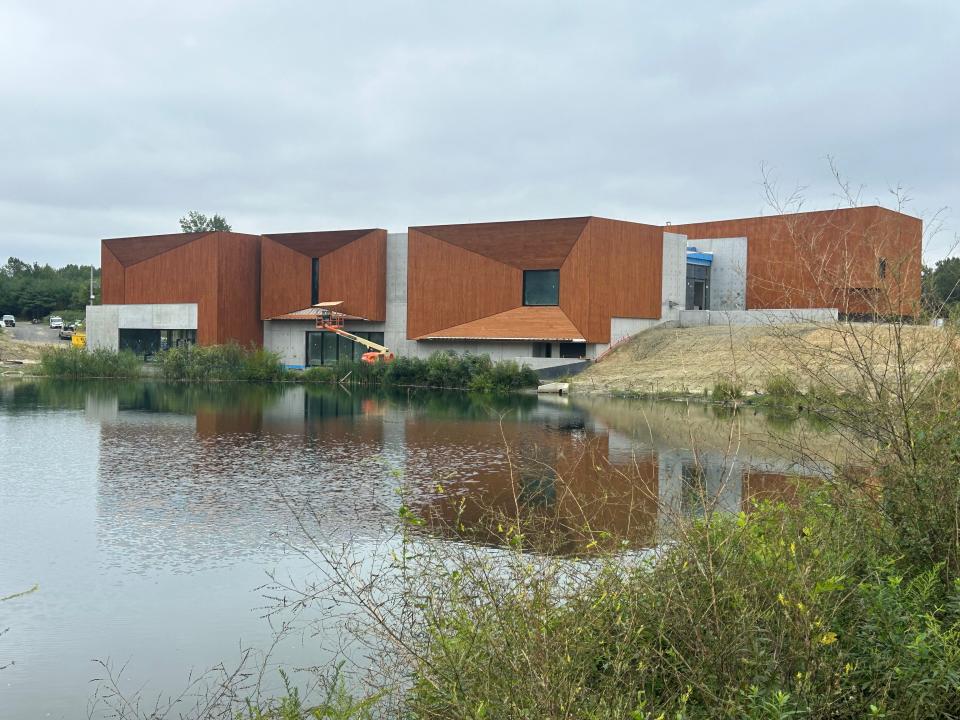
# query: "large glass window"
314,281
327,348
541,287
147,343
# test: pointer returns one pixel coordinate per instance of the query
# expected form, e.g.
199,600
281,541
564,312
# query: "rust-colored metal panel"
238,295
129,251
448,285
827,258
318,243
111,277
524,244
357,274
188,273
614,270
285,278
522,323
353,268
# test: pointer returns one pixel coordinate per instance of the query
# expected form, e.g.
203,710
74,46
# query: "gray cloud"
116,118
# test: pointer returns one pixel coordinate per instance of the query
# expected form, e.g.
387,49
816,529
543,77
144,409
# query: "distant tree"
941,284
35,290
195,221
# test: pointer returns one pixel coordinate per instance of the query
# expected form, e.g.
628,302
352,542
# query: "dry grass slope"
691,360
18,351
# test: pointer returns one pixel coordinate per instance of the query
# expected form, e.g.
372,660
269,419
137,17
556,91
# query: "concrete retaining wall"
702,318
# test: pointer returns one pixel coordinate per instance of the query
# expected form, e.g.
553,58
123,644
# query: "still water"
150,515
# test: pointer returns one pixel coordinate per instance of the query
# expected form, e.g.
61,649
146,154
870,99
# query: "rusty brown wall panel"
448,286
824,258
614,270
132,250
285,279
357,274
185,274
524,244
353,268
111,277
318,243
239,289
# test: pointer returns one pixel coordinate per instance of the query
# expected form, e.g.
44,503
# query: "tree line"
941,284
34,291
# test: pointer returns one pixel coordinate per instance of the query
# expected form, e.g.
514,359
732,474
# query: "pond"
150,515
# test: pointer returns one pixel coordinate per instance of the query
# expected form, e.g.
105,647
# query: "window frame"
528,273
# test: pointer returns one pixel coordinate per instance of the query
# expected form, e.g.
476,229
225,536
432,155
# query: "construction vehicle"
332,321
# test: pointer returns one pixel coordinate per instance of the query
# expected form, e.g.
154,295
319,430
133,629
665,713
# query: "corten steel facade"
219,271
858,260
536,289
607,269
298,269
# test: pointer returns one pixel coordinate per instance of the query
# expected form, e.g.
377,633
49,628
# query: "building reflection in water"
216,472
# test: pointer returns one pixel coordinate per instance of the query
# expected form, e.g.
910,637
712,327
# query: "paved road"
33,333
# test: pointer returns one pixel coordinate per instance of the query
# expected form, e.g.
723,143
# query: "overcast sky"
118,117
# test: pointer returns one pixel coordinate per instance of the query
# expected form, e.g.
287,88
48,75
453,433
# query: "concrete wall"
702,318
395,335
288,338
674,280
728,274
105,321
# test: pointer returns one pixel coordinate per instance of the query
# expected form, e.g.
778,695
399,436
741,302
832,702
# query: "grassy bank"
691,361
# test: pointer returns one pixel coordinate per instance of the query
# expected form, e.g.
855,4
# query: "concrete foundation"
702,318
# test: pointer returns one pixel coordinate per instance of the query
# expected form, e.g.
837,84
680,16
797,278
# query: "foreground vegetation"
843,604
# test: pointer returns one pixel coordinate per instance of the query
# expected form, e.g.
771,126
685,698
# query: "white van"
56,321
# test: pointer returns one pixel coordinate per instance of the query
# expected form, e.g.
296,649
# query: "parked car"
66,331
9,321
56,321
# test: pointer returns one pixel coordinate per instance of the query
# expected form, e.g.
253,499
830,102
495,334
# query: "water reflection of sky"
150,514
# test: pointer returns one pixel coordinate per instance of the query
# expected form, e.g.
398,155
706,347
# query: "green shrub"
76,363
445,370
316,374
785,612
213,363
504,376
726,391
338,704
781,388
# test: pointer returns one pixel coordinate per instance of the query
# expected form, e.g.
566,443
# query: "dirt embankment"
692,360
14,351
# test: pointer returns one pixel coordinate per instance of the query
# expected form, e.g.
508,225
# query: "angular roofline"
794,214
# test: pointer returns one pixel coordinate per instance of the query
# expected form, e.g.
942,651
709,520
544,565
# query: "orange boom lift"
332,321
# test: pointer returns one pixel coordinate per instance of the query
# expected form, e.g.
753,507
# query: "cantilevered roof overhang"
522,323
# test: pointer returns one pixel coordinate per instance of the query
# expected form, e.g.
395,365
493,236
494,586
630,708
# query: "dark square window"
541,287
882,268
